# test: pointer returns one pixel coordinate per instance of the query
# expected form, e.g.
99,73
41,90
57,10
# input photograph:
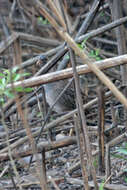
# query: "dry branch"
46,145
68,73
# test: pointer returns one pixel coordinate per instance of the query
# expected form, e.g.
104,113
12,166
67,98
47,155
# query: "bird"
67,100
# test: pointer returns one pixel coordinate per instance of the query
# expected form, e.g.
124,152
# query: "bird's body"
66,102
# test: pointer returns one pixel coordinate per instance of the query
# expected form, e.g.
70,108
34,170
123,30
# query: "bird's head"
41,60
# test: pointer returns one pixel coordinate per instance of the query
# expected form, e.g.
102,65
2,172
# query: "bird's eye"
43,58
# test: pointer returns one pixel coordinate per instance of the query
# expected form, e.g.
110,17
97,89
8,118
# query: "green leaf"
43,21
3,81
92,53
123,151
98,58
97,51
28,89
14,69
2,75
9,94
0,81
25,74
79,45
39,114
67,56
83,44
2,100
6,71
101,186
85,40
17,77
7,77
19,89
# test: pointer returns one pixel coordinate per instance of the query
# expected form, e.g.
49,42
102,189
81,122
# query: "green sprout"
102,185
93,53
83,44
7,77
42,20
